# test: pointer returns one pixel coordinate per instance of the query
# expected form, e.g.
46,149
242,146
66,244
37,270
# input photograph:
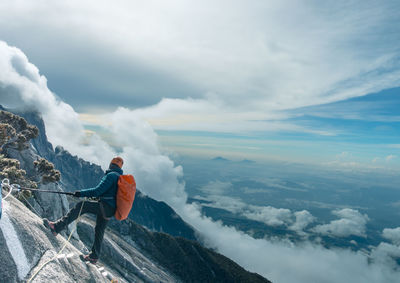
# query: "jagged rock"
188,260
51,206
131,252
29,244
25,245
76,173
128,260
158,216
42,146
26,158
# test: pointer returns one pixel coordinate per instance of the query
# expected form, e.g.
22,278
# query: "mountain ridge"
137,253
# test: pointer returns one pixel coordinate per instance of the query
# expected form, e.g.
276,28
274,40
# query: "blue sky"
363,130
304,81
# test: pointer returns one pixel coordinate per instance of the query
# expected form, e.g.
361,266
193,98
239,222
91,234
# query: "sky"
260,75
303,81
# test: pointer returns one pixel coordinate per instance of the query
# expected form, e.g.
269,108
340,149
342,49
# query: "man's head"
117,161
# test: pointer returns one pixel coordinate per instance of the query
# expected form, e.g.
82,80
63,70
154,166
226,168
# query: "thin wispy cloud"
390,157
241,61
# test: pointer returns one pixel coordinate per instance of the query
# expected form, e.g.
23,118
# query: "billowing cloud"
269,215
21,85
303,219
234,205
306,262
351,222
392,234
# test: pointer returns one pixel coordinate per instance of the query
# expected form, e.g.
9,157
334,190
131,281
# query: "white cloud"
306,263
160,178
22,85
386,254
269,215
231,204
216,188
155,173
390,157
247,59
303,219
392,235
351,222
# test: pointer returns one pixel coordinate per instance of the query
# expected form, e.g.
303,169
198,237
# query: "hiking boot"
89,259
50,225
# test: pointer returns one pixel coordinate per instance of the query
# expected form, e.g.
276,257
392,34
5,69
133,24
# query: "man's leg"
88,207
101,224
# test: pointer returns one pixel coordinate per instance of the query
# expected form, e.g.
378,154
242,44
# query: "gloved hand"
77,194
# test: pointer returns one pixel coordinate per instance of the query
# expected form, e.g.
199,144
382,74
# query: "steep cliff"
25,245
77,174
131,252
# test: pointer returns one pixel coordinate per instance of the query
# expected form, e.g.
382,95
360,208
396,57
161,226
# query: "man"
106,190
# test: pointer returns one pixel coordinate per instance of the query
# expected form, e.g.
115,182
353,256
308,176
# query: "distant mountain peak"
248,161
220,158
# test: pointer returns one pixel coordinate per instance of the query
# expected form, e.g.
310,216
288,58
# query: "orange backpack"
125,196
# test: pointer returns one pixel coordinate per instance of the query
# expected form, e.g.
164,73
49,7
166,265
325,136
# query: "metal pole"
45,191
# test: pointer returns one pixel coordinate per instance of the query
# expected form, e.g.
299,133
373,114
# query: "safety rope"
6,184
37,213
67,241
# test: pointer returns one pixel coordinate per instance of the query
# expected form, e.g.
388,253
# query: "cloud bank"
351,222
392,235
22,85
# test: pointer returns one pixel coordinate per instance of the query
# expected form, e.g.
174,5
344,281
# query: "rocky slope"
131,252
77,174
188,260
25,245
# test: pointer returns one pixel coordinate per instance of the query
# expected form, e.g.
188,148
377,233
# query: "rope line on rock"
65,244
37,213
5,183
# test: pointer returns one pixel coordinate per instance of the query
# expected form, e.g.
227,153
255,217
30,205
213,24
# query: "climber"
104,209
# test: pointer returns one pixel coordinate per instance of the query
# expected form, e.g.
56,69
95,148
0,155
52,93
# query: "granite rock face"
160,217
186,259
42,146
78,174
131,252
46,205
26,245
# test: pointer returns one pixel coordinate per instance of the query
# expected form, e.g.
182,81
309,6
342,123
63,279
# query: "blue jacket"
107,188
